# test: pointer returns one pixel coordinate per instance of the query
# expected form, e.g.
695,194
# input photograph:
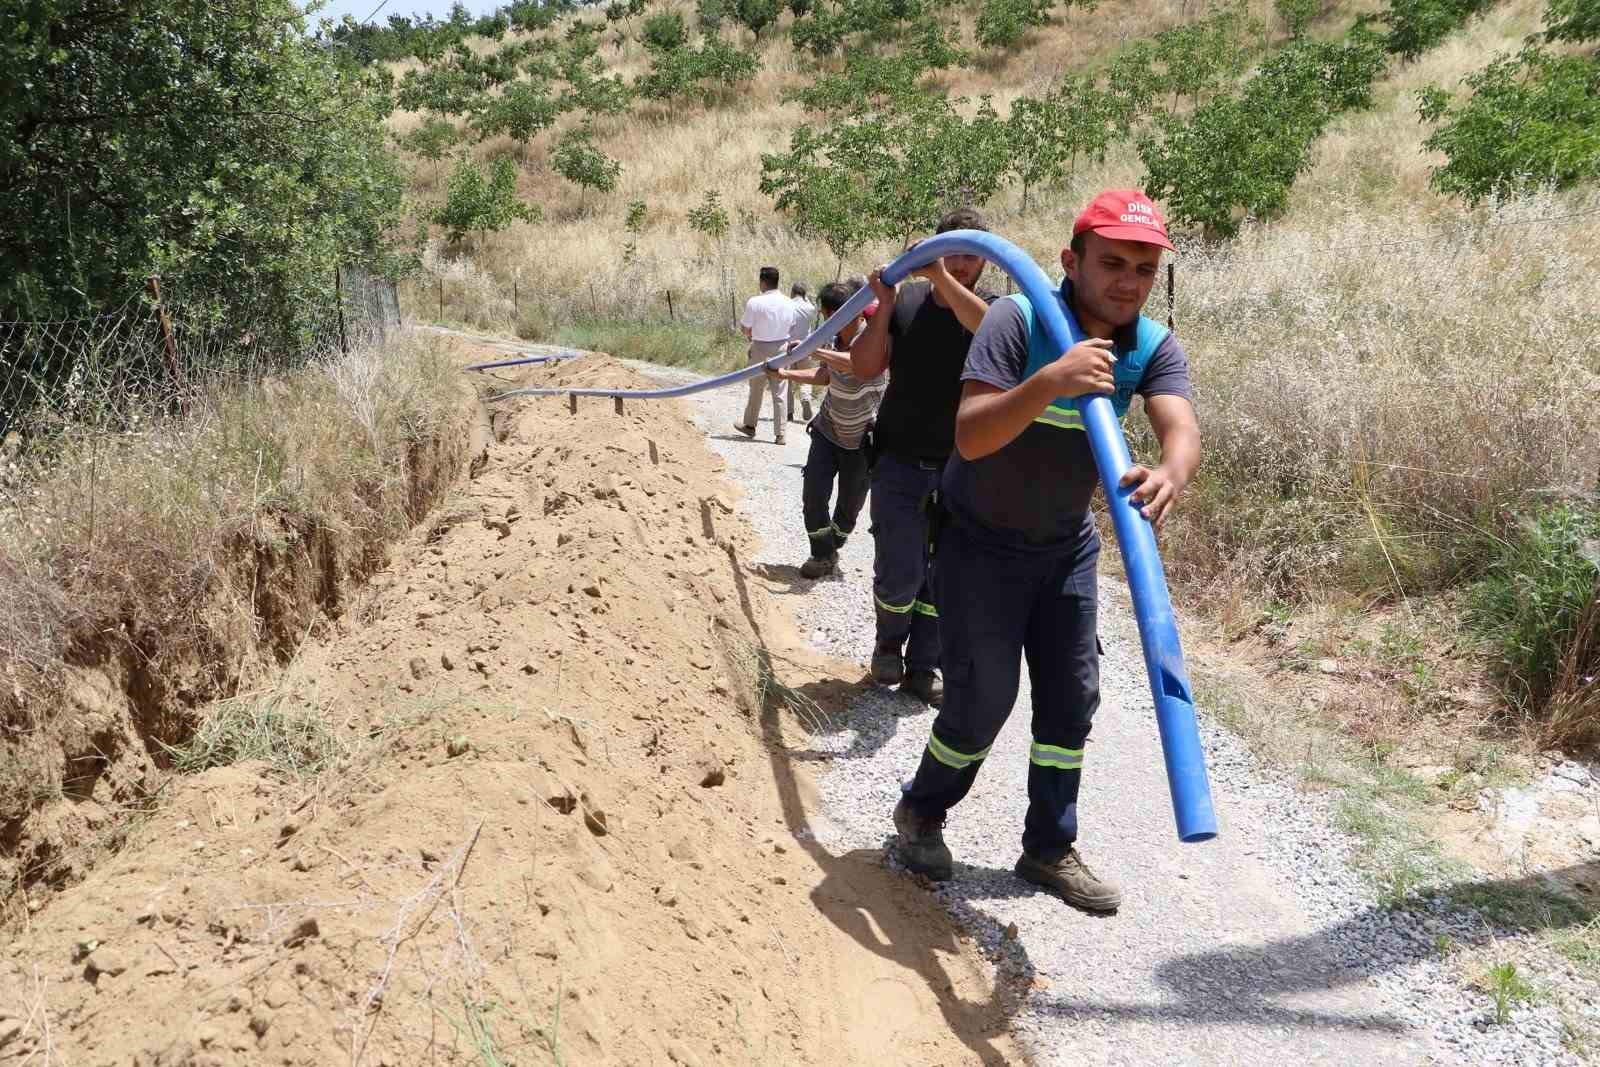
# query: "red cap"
1124,215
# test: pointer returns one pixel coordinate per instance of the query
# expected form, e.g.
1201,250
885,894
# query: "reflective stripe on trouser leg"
1064,669
816,490
987,603
899,560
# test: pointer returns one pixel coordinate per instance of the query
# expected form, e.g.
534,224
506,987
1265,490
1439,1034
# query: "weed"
1508,989
1537,604
1581,945
1445,946
294,743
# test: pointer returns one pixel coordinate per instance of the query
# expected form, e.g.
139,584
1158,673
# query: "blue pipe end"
1186,769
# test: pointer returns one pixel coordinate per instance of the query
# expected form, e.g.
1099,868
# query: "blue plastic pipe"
1152,605
547,358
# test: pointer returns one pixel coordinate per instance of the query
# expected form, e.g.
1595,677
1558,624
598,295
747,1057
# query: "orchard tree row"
1530,119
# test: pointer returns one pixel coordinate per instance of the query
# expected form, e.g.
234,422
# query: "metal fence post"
338,296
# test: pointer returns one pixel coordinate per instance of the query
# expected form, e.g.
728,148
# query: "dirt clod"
105,961
419,667
303,931
709,768
457,746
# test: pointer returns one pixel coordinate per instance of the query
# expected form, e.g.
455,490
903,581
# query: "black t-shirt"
1037,489
918,417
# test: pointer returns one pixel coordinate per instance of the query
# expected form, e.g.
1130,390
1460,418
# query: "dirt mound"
80,752
565,827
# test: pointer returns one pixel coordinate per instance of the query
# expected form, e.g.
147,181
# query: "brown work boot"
925,686
921,846
1070,879
748,431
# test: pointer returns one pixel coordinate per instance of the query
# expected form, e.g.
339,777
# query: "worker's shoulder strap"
1127,373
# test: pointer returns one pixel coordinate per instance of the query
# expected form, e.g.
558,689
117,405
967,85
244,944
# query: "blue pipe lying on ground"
1152,604
549,358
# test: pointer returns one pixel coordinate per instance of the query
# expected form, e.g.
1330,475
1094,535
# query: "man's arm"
871,352
746,331
990,418
836,360
1178,431
806,376
968,306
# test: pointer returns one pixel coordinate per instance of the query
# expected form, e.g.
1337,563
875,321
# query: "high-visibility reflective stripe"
950,757
1061,419
903,609
1063,759
922,608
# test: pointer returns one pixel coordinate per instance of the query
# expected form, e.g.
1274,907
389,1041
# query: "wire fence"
156,352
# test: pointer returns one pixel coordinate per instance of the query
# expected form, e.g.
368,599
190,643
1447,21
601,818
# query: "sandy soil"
566,827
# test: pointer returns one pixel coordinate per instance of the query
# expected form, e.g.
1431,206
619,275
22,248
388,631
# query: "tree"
757,15
521,112
578,160
432,140
1296,15
1532,119
212,143
1001,23
473,204
710,218
664,31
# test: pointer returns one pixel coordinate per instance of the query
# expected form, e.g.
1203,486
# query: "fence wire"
145,358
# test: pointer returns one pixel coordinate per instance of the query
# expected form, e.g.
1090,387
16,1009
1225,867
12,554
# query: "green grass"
295,744
1508,988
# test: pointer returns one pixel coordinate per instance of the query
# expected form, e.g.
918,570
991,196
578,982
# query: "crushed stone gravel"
1262,943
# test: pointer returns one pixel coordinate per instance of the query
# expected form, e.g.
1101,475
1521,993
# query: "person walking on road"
805,315
766,321
1017,550
920,336
838,434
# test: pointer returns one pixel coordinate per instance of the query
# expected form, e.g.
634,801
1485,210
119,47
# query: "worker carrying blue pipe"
1015,547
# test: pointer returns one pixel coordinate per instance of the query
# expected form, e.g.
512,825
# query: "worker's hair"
855,281
769,277
963,218
797,289
1079,242
834,294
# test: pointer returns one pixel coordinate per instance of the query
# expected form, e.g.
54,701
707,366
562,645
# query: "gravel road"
1260,945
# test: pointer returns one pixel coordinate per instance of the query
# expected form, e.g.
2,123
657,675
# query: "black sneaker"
1071,879
818,568
925,686
921,846
888,666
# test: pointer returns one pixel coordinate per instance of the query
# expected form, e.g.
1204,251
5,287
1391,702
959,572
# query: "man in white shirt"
805,315
766,321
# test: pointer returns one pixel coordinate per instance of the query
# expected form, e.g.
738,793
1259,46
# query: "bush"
213,144
1530,121
1001,23
1538,606
664,31
578,160
1417,25
474,204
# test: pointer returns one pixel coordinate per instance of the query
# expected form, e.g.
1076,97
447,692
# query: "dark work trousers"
999,605
900,492
826,463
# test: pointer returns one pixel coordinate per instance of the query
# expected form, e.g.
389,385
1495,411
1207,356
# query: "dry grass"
182,558
1381,394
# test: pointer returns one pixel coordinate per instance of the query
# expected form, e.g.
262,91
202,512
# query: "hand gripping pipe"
1152,605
